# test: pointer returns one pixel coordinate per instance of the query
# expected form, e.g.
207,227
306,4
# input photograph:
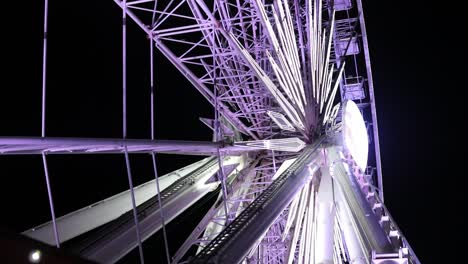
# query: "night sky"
84,100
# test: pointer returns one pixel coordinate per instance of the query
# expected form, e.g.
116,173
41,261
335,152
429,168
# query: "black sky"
84,88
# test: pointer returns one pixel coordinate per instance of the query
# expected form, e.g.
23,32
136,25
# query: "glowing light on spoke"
283,144
287,69
355,134
281,121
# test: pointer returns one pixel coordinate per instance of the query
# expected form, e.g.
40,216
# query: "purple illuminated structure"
291,85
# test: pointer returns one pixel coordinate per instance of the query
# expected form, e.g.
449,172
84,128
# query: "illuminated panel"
281,121
282,144
355,134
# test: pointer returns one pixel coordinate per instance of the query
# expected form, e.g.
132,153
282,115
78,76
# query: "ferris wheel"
294,165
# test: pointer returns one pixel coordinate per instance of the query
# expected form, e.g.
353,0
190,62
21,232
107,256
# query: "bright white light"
281,121
282,144
355,134
35,256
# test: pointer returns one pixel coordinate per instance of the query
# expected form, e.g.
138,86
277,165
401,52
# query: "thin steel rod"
44,63
218,138
272,151
152,83
124,69
51,201
135,217
274,162
46,171
223,186
154,13
166,244
124,125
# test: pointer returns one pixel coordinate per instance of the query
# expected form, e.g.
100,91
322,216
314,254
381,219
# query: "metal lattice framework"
288,189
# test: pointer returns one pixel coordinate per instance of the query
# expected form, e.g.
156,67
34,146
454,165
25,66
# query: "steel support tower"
278,74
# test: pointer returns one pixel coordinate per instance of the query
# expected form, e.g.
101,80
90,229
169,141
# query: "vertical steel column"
124,124
372,99
44,160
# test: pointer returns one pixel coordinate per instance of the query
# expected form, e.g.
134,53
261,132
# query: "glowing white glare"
35,256
355,134
281,121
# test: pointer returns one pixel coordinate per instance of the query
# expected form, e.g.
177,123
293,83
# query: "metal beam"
116,239
234,242
371,234
178,63
245,175
370,82
102,212
37,145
